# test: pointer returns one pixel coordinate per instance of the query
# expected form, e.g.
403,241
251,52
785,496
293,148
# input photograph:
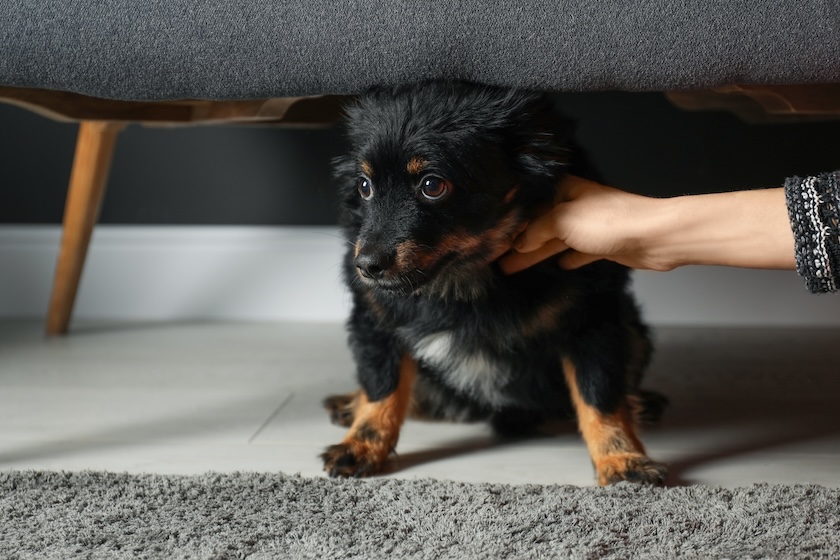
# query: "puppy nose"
373,264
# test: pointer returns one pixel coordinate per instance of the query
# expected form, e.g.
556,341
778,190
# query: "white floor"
746,406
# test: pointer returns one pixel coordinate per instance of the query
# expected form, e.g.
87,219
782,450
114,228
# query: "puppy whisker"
336,236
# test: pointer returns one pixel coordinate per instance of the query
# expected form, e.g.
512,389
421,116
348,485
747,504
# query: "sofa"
104,64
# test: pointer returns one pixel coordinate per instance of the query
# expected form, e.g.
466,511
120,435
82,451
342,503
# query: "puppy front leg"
616,451
375,429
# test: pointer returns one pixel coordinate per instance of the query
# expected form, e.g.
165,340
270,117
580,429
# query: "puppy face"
428,221
439,180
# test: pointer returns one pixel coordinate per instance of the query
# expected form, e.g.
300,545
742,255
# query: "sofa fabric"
241,49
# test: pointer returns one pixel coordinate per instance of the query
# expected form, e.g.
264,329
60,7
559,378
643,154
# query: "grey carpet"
48,515
160,49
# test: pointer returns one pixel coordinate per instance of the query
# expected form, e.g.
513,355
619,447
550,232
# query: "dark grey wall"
249,175
194,175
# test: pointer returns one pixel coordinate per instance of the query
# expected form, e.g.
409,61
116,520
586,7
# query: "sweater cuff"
813,205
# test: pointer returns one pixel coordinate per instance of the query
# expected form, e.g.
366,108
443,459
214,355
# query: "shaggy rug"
256,516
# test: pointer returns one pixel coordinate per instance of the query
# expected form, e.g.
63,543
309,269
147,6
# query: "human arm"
590,221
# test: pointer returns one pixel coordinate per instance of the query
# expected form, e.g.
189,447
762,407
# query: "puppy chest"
469,371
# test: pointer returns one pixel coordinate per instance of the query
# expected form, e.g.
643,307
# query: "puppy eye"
435,188
365,188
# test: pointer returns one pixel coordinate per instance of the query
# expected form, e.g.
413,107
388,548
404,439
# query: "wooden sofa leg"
94,149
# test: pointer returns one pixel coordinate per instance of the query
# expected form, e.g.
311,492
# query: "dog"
439,178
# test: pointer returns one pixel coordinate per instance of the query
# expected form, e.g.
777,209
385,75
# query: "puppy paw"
353,459
632,467
342,408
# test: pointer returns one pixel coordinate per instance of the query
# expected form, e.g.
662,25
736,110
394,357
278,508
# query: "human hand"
589,222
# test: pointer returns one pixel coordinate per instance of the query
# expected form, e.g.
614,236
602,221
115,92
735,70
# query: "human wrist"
695,230
661,233
746,229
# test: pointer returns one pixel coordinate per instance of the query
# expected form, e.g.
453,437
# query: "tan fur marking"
545,317
460,242
511,194
406,253
376,426
416,165
367,168
498,239
611,438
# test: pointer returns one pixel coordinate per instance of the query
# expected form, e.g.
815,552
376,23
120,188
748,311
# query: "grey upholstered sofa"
108,62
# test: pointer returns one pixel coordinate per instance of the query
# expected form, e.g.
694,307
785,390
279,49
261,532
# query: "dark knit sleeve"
814,208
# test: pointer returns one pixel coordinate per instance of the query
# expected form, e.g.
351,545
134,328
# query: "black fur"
488,345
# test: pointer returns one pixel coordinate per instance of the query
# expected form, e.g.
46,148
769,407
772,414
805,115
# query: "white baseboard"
293,274
175,273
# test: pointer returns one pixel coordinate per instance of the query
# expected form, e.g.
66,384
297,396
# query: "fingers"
545,227
571,260
514,262
541,230
546,235
551,223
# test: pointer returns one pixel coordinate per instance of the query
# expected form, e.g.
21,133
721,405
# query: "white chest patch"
472,373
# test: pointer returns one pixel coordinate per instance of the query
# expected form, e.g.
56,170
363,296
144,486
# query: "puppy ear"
542,155
543,140
344,171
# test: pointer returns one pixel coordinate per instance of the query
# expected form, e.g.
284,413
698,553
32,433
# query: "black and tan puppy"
440,178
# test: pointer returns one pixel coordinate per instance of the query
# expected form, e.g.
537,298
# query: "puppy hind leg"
374,431
650,406
342,408
610,436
